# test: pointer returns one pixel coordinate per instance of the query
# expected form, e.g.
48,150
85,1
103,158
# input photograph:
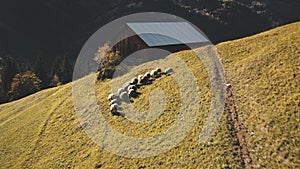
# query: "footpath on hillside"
234,118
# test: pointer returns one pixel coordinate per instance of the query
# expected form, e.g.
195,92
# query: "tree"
66,70
62,69
40,68
9,69
56,81
24,84
3,96
108,60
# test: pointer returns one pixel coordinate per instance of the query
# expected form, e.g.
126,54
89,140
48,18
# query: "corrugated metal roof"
166,33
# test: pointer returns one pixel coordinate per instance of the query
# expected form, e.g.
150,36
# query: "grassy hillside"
265,71
42,130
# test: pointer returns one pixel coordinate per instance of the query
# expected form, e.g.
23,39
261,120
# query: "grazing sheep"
158,70
144,80
113,108
153,73
147,75
131,93
115,101
168,71
126,85
111,97
121,90
124,96
134,81
132,87
140,77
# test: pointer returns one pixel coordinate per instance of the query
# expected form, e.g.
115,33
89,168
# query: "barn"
170,36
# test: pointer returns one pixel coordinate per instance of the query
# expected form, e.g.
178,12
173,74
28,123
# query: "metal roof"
166,33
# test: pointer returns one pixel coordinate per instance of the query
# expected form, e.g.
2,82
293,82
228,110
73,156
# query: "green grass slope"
42,130
265,73
58,141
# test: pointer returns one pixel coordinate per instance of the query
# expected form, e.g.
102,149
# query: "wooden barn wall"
130,45
135,43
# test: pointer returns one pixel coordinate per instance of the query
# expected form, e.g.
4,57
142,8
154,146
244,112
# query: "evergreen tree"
66,70
39,68
8,71
2,93
62,69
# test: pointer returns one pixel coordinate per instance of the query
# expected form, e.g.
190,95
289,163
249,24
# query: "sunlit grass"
265,71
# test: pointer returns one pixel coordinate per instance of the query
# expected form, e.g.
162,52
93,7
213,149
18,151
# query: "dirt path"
239,128
21,106
40,135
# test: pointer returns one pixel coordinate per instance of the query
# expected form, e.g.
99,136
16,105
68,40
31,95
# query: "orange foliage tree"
24,84
107,60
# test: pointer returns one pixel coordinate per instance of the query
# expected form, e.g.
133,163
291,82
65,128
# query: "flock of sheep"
129,89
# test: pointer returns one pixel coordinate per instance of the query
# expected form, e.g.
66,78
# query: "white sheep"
131,93
140,77
115,101
121,90
124,96
134,81
126,85
153,73
158,70
111,96
132,87
168,71
144,80
147,75
113,108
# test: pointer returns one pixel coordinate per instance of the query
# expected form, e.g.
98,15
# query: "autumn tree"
107,60
24,84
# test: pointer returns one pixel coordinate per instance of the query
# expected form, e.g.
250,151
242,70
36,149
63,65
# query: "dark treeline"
19,80
45,37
